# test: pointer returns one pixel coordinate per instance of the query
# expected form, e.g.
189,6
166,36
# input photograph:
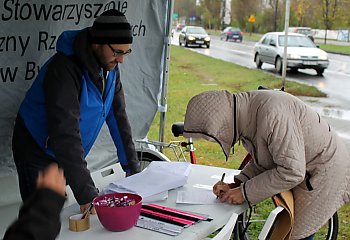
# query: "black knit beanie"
111,27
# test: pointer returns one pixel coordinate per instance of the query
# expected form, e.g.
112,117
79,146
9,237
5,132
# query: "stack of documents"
154,182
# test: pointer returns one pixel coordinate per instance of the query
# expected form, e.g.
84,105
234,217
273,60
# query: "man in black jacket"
39,217
75,92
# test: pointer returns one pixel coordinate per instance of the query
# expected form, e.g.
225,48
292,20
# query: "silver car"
302,52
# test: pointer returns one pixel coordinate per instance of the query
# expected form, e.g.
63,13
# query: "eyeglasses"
119,53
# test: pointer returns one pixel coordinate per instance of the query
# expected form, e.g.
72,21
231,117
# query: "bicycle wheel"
259,215
146,156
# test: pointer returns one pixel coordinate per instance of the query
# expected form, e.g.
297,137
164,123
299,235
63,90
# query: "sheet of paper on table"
197,196
203,194
155,180
228,178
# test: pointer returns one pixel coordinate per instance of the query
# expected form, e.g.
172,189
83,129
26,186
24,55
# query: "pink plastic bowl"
118,219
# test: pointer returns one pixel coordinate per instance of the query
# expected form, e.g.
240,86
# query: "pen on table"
87,211
222,180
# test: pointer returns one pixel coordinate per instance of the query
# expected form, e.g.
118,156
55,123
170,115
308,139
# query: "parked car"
301,52
191,35
302,30
231,33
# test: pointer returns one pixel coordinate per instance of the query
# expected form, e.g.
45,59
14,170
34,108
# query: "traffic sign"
175,15
251,19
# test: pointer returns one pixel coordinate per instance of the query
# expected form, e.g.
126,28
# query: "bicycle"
151,151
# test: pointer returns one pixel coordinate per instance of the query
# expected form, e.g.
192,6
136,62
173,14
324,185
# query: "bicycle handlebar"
177,129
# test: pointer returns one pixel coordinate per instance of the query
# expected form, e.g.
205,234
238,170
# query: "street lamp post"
286,26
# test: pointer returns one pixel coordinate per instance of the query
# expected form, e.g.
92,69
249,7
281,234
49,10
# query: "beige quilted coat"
291,145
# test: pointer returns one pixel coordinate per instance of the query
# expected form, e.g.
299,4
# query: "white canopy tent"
27,39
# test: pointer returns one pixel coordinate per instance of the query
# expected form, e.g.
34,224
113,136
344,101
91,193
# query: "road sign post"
251,20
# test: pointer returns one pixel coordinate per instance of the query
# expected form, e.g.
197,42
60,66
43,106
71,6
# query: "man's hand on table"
85,207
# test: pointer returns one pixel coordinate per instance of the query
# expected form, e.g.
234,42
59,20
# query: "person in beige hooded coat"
292,148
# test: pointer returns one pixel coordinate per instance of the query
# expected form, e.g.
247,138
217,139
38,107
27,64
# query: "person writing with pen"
228,192
218,191
292,148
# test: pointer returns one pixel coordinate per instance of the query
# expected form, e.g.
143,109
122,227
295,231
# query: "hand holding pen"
220,187
89,207
87,211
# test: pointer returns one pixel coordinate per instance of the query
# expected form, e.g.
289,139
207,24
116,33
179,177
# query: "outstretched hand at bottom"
53,178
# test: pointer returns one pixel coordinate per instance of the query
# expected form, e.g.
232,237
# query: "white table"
200,174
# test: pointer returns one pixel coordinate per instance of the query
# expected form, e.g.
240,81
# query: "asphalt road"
335,81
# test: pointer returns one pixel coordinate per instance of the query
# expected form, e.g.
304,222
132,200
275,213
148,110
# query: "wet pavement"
342,127
337,114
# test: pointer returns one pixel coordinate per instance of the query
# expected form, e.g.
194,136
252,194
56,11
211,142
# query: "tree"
329,12
242,9
276,15
319,14
210,11
185,9
274,4
302,8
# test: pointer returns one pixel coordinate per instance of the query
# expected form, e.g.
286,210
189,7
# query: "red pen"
171,210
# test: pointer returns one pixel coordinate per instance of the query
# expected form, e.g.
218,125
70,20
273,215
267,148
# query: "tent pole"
165,71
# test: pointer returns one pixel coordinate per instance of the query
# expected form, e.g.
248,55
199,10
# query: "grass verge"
335,48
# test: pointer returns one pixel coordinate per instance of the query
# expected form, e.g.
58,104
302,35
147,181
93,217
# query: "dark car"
232,33
191,35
